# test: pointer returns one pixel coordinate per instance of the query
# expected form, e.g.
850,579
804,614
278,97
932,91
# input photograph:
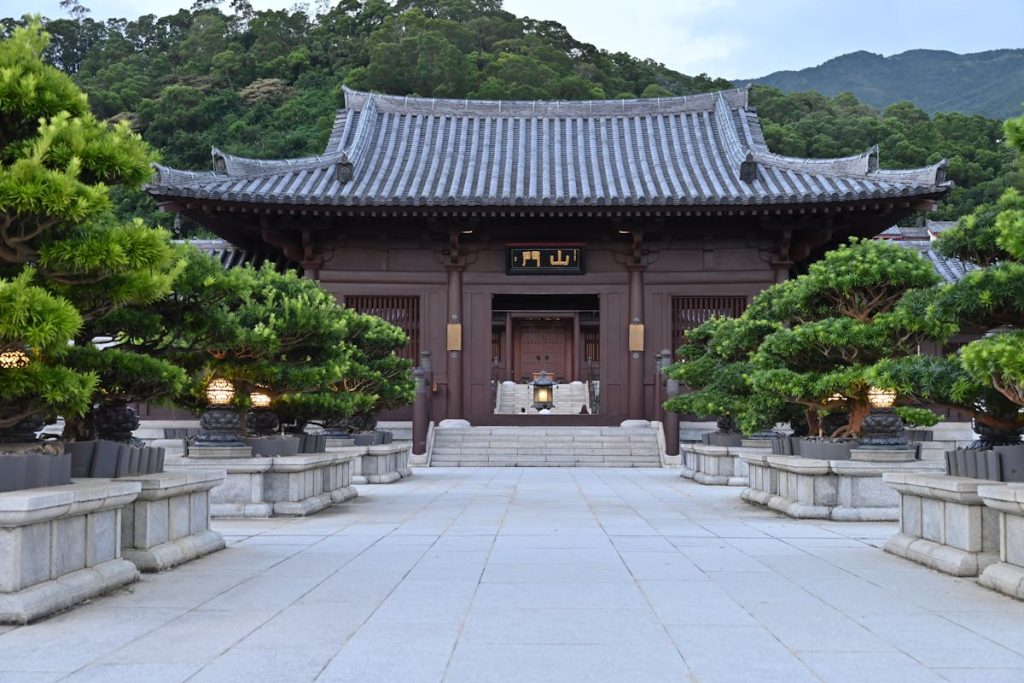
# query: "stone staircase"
545,447
513,398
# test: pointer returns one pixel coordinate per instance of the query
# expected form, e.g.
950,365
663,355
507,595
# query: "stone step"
545,446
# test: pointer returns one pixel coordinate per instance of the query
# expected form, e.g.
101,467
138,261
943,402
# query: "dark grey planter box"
19,471
273,447
1002,463
82,454
105,459
1011,461
722,439
919,434
786,445
825,449
312,443
60,469
368,439
13,467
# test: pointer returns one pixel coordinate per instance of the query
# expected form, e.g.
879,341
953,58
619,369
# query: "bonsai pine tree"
863,302
376,378
714,361
985,379
57,231
35,327
275,332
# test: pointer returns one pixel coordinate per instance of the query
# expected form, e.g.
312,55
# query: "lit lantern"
543,391
882,399
220,392
13,359
260,399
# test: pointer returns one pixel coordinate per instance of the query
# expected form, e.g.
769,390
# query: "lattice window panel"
690,311
401,311
591,343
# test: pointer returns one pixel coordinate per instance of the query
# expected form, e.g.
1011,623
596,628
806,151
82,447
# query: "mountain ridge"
989,83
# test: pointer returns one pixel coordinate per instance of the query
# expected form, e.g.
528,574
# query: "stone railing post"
671,419
420,413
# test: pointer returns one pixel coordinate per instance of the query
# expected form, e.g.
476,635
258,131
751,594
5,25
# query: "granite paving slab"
482,574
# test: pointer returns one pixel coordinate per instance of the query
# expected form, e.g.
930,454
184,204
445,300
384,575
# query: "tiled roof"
231,256
899,233
949,269
699,150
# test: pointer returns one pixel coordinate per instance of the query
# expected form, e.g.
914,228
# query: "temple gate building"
576,238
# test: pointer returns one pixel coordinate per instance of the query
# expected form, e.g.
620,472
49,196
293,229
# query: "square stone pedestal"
1006,575
716,465
384,464
61,545
293,485
842,490
169,523
762,478
943,523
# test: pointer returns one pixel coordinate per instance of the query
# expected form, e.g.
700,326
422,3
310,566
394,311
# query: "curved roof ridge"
233,165
165,175
861,164
736,150
934,173
356,100
354,154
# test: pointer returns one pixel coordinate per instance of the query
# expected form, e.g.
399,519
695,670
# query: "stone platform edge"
21,604
169,523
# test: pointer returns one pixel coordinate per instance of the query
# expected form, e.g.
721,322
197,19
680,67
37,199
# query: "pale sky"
728,38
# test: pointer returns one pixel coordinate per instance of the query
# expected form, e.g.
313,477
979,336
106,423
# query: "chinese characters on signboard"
537,260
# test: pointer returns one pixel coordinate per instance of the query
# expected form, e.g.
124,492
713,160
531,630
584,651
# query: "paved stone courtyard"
536,575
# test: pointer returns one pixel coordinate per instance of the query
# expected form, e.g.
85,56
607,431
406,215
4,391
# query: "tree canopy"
66,263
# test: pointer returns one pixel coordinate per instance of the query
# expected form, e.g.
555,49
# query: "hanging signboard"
545,259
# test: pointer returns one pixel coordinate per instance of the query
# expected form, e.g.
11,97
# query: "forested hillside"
988,83
267,83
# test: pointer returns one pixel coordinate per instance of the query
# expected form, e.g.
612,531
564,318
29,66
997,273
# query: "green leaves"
30,316
999,359
863,303
73,265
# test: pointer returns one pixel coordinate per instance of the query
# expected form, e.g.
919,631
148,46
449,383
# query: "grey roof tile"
699,150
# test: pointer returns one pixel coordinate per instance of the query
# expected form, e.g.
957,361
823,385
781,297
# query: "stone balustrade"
61,545
1006,575
944,524
169,523
842,490
720,465
384,464
294,485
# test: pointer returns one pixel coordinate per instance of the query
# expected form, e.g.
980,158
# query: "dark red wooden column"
454,405
635,377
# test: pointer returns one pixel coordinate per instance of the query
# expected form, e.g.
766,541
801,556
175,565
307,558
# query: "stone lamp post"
220,422
261,419
543,392
883,428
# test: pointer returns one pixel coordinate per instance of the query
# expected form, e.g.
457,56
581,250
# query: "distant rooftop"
921,239
699,150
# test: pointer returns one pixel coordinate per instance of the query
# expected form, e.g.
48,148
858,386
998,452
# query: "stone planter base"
290,486
169,523
384,464
762,479
60,546
1006,575
841,490
943,523
716,465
